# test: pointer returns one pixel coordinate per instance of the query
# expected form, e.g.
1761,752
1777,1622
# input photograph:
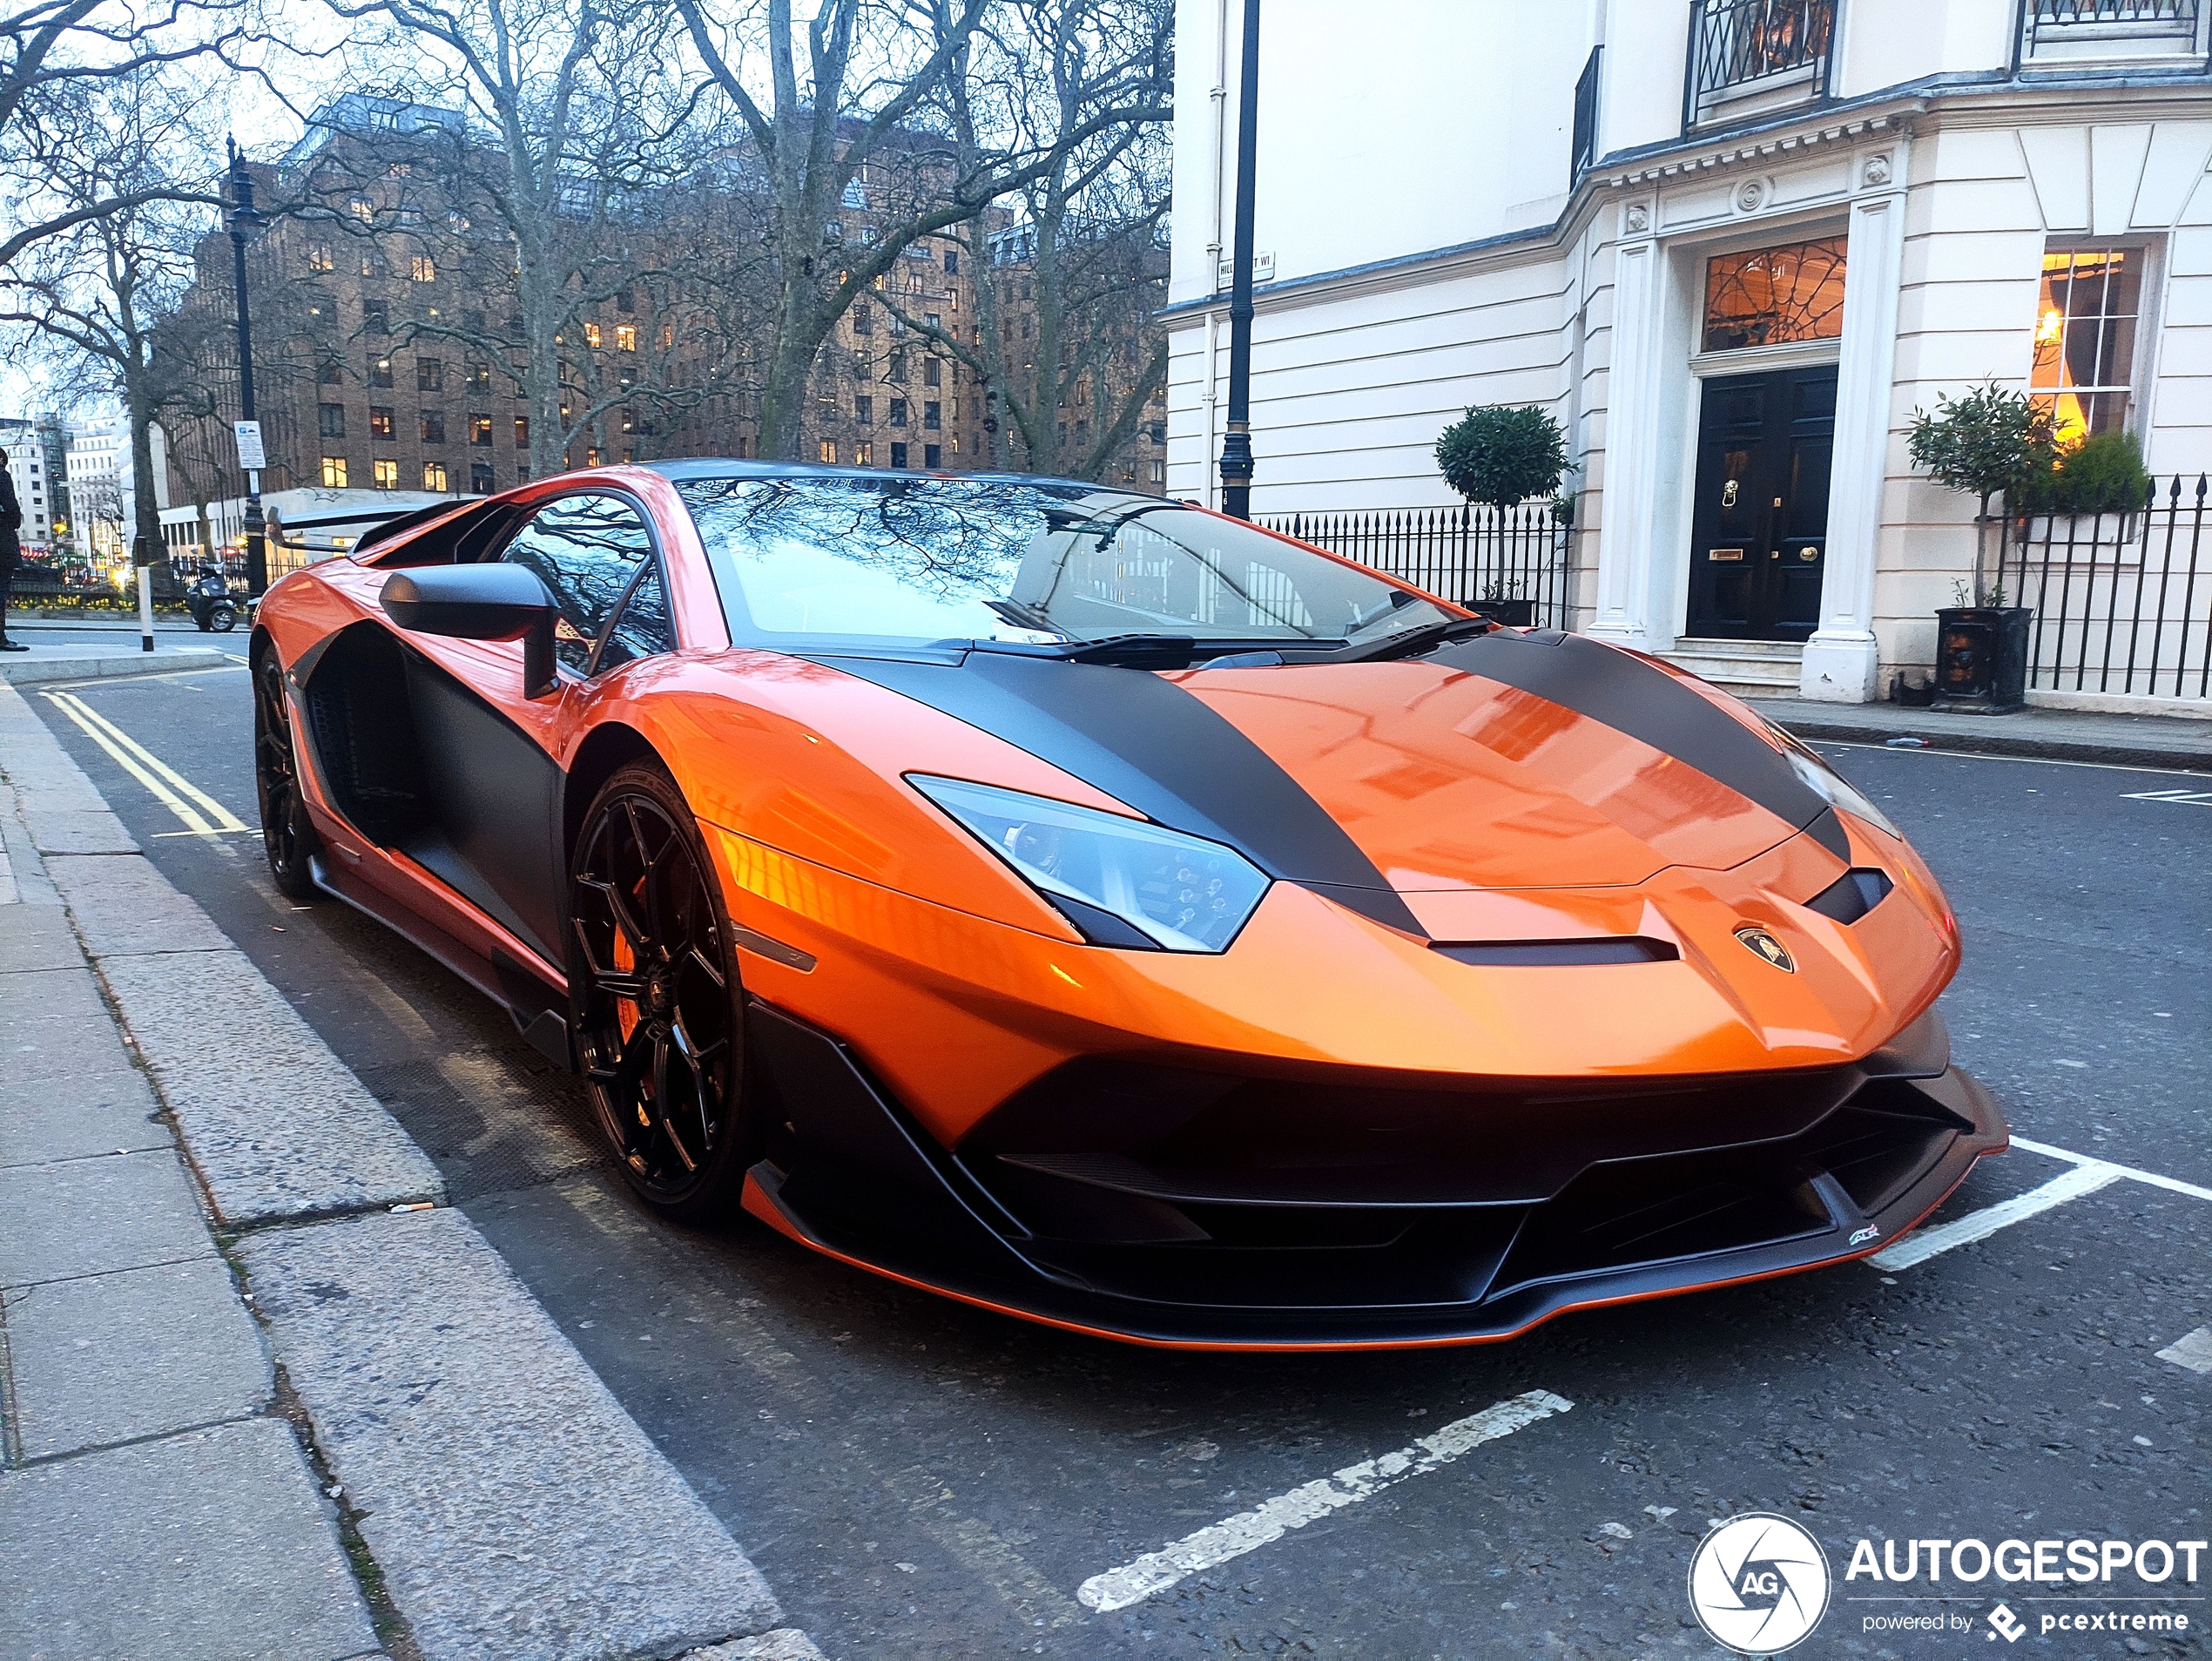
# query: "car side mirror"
492,602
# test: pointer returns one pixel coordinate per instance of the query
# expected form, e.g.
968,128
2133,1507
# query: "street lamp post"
245,218
1236,443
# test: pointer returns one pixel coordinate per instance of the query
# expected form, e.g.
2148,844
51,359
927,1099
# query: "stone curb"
512,1503
1989,735
549,1524
25,671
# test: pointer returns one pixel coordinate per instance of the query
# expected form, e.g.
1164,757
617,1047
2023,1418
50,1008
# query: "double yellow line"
202,815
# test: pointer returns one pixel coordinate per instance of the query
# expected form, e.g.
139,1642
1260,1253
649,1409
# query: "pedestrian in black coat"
10,549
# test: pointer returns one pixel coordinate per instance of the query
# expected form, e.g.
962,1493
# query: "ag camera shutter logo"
1759,1584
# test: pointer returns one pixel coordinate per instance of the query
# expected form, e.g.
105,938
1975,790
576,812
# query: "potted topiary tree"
1992,441
1501,456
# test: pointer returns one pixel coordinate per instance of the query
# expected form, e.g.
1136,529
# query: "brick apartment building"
381,250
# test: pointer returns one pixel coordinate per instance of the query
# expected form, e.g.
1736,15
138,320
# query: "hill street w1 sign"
249,445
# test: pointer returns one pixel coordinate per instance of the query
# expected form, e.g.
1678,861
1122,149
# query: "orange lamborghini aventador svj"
1091,907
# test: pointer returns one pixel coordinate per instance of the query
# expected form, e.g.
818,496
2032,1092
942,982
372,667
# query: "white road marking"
1249,1530
173,789
2089,1174
2172,1185
2018,760
2191,1350
160,674
2190,798
1919,1246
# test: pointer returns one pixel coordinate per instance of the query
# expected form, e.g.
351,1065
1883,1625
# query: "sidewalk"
2178,742
261,1393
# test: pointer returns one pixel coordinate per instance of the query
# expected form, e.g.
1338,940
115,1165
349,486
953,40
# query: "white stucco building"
1733,245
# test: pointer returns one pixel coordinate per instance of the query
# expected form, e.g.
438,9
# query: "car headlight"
1831,786
1122,882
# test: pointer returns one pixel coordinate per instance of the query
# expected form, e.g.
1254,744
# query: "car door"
487,751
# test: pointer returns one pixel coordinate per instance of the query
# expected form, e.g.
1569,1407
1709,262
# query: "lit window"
521,432
422,268
362,208
320,258
593,457
2085,339
591,335
334,472
434,475
480,478
380,420
1772,295
480,429
829,451
386,475
667,336
864,454
626,337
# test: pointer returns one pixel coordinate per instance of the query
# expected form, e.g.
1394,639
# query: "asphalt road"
916,1478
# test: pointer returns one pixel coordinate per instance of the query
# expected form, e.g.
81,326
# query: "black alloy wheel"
656,998
288,837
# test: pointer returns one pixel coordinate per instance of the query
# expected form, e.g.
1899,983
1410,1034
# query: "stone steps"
1759,668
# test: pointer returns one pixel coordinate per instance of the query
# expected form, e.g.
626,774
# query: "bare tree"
99,288
55,54
569,140
856,160
1063,344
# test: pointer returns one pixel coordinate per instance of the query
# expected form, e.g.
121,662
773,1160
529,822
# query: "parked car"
1108,912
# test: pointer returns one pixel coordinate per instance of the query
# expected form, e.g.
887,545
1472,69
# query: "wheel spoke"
706,965
661,1048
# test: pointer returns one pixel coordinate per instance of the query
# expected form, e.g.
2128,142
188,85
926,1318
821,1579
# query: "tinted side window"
588,548
644,627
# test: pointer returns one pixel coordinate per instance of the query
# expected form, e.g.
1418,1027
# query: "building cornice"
1995,99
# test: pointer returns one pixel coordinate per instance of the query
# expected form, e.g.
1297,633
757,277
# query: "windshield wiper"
1141,651
1413,641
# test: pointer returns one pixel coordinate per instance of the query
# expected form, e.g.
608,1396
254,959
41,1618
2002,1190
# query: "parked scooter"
210,601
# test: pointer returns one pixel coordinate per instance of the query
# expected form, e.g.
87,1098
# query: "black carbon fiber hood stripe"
1631,696
1145,741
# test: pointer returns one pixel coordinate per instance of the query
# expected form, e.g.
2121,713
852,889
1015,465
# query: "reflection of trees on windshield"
947,541
1082,561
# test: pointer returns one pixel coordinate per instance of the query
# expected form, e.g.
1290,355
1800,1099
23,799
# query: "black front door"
1759,535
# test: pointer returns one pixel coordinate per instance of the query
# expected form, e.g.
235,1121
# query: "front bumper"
1201,1210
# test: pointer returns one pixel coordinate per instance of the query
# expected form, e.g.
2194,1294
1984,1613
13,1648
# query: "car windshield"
934,560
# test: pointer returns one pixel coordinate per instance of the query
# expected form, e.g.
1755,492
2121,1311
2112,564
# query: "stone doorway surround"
1664,237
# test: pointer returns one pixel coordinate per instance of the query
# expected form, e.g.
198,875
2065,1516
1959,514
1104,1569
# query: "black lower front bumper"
1219,1222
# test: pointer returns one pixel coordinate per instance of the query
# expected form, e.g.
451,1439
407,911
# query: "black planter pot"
1982,657
1514,614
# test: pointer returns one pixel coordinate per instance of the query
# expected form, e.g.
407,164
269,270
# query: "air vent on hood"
1547,954
1852,895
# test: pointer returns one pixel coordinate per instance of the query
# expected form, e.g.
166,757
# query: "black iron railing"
1585,118
2123,597
1518,559
1734,42
2051,22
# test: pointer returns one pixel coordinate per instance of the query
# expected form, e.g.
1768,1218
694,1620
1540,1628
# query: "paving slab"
77,830
37,937
515,1510
277,1127
55,1024
785,1644
95,1216
115,1358
210,1546
122,904
79,1114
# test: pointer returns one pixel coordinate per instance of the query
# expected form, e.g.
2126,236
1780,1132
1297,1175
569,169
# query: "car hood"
1448,779
1520,760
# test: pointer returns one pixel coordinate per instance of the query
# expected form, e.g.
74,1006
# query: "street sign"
249,445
